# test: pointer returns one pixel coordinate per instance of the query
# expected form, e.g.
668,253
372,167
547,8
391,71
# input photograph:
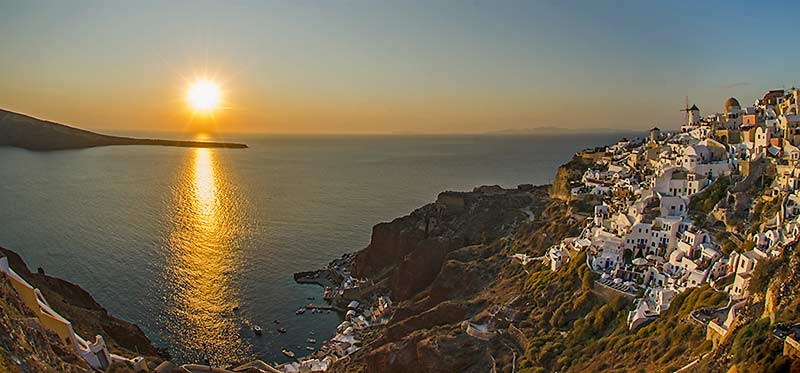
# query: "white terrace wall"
96,354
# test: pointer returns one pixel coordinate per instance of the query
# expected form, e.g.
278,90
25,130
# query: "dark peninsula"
30,133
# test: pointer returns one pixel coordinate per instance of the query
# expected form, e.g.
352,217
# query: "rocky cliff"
26,346
87,316
541,320
407,254
449,262
565,176
448,265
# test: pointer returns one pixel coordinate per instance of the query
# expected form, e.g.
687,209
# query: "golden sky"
379,67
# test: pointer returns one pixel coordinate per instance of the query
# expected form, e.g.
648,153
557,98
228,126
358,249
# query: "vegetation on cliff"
587,330
705,201
569,322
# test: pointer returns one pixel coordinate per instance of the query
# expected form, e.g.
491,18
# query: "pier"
328,307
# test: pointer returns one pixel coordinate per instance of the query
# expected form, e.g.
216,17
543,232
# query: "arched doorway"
627,256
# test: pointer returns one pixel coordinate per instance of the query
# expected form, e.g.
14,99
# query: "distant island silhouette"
23,131
553,130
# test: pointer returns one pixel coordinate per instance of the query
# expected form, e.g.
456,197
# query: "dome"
731,103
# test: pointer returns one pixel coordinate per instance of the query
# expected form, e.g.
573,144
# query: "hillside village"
699,210
643,241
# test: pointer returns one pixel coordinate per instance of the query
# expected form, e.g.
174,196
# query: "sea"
174,239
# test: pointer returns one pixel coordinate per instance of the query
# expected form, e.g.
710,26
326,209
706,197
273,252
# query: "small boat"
288,353
300,311
311,340
257,329
310,348
277,321
281,330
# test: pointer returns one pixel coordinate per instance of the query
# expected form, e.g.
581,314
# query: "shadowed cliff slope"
27,132
87,316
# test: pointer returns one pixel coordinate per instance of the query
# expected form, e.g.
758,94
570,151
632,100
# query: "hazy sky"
384,67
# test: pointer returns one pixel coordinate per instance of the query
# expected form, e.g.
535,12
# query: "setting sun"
204,96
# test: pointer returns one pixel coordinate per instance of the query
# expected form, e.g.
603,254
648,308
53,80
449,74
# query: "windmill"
692,113
686,109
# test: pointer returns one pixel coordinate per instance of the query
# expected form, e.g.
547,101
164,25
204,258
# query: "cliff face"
447,262
26,346
408,253
563,322
87,316
566,174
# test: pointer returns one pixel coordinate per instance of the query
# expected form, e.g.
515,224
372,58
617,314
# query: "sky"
343,67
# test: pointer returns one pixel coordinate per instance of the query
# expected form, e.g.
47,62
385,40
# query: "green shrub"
705,201
764,272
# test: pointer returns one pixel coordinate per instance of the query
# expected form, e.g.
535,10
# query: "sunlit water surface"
173,239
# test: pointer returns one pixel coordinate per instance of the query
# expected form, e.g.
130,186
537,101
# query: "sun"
204,96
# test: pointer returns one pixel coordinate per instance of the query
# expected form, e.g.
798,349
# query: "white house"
743,265
673,206
677,181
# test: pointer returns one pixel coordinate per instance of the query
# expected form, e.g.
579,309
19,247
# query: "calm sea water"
173,238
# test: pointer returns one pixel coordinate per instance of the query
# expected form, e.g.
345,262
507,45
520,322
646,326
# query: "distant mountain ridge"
23,131
552,130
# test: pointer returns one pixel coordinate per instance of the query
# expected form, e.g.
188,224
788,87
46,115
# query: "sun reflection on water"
203,256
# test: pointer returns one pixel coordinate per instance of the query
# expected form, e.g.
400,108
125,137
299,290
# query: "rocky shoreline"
473,287
424,262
